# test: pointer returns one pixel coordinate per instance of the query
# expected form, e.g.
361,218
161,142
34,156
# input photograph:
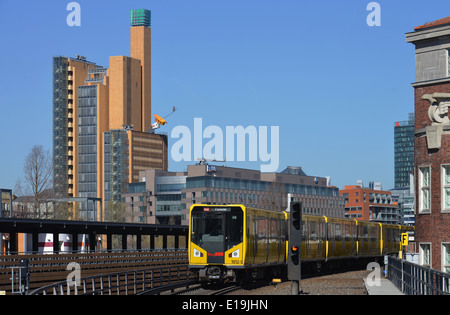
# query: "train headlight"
234,254
197,253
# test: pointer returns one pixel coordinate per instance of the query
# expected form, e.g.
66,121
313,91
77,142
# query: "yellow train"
234,242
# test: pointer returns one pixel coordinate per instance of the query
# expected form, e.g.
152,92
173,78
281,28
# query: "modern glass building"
403,151
60,125
68,74
116,164
87,141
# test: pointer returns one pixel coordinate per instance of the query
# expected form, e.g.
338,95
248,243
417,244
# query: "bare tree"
277,199
115,211
38,177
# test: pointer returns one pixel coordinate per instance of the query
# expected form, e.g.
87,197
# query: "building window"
425,254
424,189
448,62
445,187
446,257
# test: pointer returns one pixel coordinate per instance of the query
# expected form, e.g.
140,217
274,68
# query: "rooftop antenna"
203,161
127,127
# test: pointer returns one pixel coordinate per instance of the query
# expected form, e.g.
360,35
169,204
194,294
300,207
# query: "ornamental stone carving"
438,111
438,114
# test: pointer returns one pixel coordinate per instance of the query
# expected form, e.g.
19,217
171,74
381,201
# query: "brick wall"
431,227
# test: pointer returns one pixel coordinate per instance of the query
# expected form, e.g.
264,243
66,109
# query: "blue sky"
334,85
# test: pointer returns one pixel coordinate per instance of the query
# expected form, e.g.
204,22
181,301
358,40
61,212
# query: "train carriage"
314,245
227,241
266,237
369,234
234,242
341,238
390,238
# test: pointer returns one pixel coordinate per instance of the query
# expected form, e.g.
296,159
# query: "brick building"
432,142
369,204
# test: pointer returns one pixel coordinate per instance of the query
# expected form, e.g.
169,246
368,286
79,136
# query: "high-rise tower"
100,119
140,48
403,151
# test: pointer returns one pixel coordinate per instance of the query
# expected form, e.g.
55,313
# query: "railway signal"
295,241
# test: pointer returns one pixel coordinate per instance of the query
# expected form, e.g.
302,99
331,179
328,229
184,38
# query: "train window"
304,224
261,225
346,231
313,231
217,229
233,229
337,228
374,234
207,228
274,230
323,231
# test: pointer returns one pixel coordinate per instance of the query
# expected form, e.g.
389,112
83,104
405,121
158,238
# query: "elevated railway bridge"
101,267
97,233
45,263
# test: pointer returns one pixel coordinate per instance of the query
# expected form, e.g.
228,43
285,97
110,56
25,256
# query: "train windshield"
217,229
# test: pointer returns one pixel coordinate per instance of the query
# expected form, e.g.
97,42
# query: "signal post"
295,242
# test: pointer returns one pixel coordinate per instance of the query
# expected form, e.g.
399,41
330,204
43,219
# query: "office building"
432,142
404,196
208,184
168,196
101,116
156,199
128,152
403,151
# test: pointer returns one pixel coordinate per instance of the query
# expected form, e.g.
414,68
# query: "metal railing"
414,279
44,269
120,283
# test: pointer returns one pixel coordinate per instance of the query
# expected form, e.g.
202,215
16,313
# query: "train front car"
216,241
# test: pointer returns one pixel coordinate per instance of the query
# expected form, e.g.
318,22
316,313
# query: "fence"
414,279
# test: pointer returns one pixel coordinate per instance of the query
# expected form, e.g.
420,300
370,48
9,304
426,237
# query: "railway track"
211,290
47,269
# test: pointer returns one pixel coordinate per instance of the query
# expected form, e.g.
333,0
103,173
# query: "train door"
323,239
255,239
305,229
212,239
331,238
280,239
233,229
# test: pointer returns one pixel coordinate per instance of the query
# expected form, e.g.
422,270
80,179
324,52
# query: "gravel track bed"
348,283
